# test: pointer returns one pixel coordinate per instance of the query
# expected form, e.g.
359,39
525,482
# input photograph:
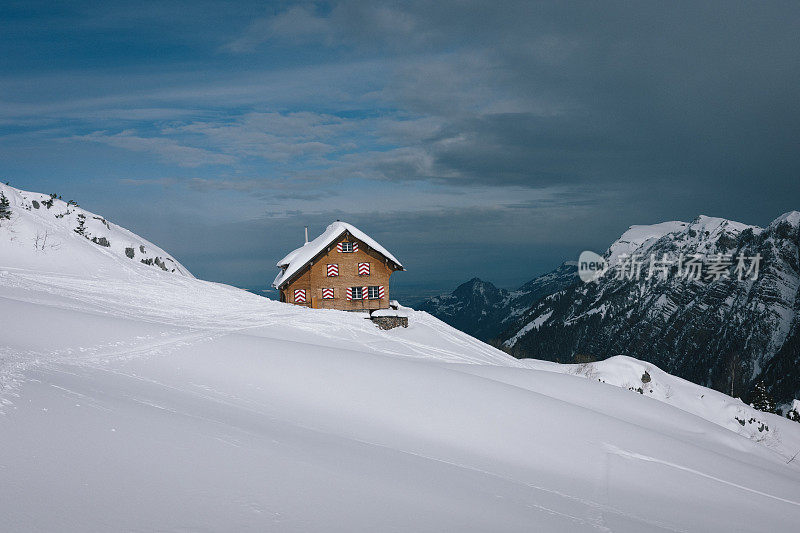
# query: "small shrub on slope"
794,411
81,229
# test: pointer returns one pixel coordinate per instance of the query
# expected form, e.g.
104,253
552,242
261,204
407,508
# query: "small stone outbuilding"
394,317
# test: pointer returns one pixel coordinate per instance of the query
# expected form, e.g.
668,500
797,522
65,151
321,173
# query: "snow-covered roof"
297,259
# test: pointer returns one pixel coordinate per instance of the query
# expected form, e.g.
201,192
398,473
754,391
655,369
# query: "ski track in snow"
602,508
640,457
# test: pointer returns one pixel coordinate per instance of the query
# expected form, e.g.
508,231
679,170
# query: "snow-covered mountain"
484,311
134,399
723,333
44,228
475,307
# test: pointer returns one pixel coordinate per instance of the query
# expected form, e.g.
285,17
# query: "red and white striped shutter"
355,247
339,247
327,293
381,292
349,293
300,296
333,270
363,269
364,293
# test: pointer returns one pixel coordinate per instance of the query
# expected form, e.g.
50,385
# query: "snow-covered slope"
138,400
649,380
42,230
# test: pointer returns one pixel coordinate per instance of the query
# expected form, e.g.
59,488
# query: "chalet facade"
342,269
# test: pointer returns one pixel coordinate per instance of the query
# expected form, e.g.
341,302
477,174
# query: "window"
347,247
357,293
376,292
363,269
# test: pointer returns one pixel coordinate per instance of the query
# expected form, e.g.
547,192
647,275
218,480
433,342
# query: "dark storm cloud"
586,91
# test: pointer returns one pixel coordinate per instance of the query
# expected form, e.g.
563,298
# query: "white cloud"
272,136
168,149
348,23
297,24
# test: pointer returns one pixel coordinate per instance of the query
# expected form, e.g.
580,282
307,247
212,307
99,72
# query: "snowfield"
139,399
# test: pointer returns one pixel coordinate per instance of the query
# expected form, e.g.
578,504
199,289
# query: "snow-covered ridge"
703,231
790,217
47,232
636,236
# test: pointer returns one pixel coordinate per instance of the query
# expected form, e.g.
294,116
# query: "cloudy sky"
490,139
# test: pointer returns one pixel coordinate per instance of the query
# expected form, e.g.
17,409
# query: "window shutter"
355,247
333,270
381,292
327,294
364,293
299,296
349,293
363,269
339,247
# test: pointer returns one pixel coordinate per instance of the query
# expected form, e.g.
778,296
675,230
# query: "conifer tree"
761,398
5,207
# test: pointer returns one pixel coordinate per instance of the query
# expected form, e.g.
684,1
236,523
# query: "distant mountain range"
723,333
484,311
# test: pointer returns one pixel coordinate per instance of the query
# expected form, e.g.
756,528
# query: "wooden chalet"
344,268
